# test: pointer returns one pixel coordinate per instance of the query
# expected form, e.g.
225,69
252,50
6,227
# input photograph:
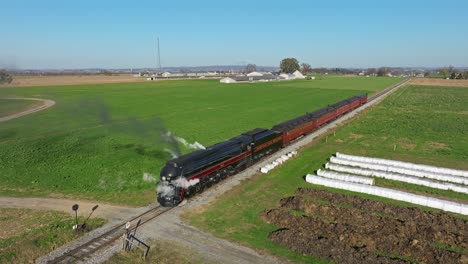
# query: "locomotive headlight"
163,178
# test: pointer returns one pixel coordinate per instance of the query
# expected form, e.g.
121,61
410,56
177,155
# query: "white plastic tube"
444,205
278,161
398,177
407,165
405,171
345,177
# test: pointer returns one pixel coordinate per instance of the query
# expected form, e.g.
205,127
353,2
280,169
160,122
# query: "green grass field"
427,125
98,140
8,107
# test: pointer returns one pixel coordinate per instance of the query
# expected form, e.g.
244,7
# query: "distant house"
166,74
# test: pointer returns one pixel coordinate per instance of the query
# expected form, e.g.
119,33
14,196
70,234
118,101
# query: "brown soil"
350,229
71,80
439,82
355,136
438,146
406,144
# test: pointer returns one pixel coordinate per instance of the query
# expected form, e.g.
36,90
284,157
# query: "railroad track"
83,252
387,90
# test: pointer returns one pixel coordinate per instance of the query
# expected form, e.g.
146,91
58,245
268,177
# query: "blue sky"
122,34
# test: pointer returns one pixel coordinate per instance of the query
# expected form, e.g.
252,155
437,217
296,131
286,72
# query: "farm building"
263,78
227,80
259,73
166,74
298,75
254,74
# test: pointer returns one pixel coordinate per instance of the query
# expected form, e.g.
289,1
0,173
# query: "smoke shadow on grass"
8,133
151,131
144,151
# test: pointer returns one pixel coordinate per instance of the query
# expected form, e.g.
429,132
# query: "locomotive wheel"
231,171
197,187
220,176
216,177
224,173
190,192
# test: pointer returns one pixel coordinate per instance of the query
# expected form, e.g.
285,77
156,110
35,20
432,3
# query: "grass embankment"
27,234
98,140
418,124
9,106
161,252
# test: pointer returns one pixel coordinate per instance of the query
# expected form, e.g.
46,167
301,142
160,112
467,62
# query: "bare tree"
5,77
306,68
250,68
371,71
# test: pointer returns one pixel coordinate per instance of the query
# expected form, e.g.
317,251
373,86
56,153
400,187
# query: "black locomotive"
184,176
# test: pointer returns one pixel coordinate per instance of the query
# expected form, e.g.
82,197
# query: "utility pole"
158,58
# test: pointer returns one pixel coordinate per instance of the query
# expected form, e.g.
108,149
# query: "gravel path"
46,104
169,226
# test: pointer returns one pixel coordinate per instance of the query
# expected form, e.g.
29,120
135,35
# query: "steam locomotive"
186,175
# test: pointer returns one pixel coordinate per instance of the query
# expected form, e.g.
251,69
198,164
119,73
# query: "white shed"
298,75
166,74
227,80
255,74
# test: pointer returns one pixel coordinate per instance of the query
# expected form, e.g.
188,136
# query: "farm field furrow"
419,124
99,140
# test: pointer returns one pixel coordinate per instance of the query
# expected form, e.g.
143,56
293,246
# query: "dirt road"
46,104
70,80
110,212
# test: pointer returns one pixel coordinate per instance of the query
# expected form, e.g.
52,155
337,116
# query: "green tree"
289,65
5,77
382,71
444,72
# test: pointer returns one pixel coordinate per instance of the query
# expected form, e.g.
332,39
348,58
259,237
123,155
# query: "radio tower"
158,58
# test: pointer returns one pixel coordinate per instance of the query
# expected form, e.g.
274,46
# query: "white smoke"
148,177
182,182
195,145
173,153
164,189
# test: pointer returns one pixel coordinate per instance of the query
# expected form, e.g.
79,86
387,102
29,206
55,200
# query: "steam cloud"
148,177
164,189
195,145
